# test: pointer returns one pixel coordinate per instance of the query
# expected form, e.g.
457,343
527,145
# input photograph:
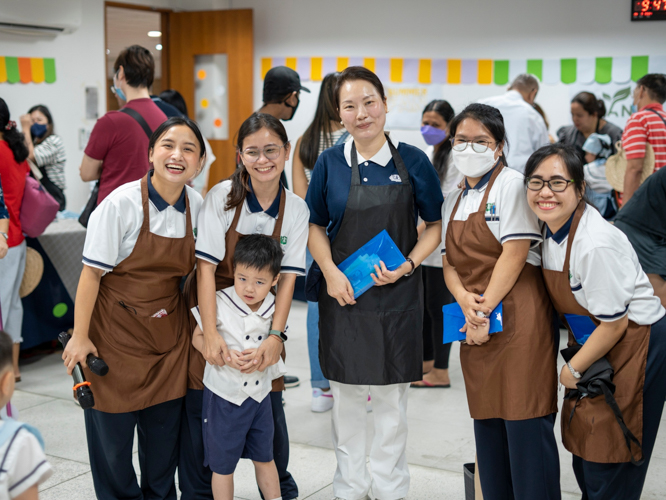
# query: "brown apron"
593,433
224,278
146,356
513,376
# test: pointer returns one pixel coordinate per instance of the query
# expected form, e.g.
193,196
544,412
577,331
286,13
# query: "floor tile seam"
65,481
67,459
318,491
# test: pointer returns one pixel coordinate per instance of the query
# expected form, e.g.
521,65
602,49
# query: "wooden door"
215,32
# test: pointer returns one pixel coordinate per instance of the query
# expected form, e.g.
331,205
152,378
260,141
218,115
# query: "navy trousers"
195,480
625,481
110,439
518,460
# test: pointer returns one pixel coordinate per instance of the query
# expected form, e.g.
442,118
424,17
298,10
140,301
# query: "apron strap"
145,226
491,181
356,175
239,208
188,218
277,229
482,206
572,232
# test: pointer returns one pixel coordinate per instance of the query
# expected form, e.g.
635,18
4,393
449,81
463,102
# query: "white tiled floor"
440,434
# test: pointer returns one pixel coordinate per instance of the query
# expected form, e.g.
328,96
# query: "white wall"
373,28
498,29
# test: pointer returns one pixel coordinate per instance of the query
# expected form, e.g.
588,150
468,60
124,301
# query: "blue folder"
454,320
359,265
581,326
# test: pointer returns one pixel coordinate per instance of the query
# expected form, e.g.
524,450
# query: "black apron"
377,341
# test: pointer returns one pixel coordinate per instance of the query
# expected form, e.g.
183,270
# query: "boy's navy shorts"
232,432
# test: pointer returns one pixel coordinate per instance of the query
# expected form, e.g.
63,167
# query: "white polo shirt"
508,215
115,224
215,221
241,329
525,128
451,180
604,273
24,464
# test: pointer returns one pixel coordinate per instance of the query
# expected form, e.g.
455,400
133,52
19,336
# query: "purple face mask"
433,135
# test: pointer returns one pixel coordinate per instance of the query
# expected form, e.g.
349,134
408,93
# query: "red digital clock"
648,10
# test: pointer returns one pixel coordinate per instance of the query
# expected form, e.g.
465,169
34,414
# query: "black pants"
194,479
436,295
625,481
110,440
518,459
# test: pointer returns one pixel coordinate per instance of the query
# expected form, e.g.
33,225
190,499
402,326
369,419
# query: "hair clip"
10,125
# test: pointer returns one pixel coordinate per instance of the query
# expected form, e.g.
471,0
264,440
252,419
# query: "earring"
341,122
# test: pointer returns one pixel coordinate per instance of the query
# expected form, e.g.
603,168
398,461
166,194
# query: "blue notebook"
359,265
454,320
581,327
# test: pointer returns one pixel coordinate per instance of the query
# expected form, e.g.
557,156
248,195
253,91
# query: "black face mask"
294,108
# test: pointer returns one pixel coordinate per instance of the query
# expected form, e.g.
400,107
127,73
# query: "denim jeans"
317,378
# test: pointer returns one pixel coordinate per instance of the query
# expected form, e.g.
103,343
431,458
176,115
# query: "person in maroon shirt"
117,149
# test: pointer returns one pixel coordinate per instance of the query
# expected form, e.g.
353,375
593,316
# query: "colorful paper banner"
27,70
438,71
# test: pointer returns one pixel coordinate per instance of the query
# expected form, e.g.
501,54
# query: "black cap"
280,81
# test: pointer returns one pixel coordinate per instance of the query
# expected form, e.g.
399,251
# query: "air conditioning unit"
40,17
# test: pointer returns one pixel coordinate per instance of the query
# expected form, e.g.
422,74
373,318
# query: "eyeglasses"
477,146
270,152
556,184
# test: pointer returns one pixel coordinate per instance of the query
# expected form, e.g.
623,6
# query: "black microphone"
82,389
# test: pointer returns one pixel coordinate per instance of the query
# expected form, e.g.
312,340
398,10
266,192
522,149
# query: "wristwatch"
279,334
5,235
576,374
413,267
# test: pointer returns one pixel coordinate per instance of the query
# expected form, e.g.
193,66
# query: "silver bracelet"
5,235
575,374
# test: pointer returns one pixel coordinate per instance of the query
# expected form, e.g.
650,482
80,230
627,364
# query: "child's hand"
236,360
248,356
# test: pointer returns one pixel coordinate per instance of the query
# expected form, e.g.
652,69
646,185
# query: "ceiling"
125,27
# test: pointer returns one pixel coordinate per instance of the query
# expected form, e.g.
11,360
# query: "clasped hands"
340,288
475,327
216,352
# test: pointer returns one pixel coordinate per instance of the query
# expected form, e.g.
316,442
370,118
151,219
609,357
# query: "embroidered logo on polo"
395,178
194,231
283,240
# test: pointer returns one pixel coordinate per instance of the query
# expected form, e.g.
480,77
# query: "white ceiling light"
158,46
154,34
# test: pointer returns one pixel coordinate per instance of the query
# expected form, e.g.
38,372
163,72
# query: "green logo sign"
620,95
283,240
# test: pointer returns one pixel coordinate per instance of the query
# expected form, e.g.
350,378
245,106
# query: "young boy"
23,465
237,415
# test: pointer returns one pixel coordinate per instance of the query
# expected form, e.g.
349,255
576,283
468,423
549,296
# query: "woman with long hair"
435,131
13,171
252,201
324,132
371,344
47,150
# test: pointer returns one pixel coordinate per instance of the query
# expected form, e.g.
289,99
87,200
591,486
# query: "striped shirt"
50,155
646,127
22,464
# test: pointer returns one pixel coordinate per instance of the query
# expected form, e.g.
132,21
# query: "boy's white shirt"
241,329
24,464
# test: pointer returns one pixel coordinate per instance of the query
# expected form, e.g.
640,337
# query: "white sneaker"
321,400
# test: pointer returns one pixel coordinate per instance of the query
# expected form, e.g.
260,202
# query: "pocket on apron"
144,334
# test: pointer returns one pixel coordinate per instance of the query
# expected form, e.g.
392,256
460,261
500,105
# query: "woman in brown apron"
510,376
131,313
253,201
371,345
593,275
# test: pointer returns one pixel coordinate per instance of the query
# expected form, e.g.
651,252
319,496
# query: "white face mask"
473,164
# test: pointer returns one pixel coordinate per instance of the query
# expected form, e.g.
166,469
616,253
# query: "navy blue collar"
255,207
484,180
159,202
562,232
